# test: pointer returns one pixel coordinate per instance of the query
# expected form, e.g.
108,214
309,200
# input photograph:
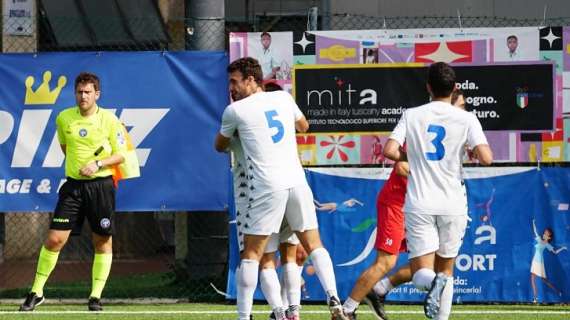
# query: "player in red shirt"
390,238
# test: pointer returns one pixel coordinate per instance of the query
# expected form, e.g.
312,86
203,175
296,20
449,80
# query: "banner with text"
160,97
494,263
372,97
477,46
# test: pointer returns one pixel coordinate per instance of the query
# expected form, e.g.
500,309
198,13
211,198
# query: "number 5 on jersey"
274,123
437,143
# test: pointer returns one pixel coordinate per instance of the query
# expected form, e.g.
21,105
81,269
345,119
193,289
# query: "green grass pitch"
197,311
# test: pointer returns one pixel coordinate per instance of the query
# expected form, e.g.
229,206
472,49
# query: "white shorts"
286,235
442,234
295,204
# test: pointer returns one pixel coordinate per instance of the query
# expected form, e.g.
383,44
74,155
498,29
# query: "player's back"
266,127
436,134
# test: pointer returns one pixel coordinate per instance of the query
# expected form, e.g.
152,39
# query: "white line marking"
563,312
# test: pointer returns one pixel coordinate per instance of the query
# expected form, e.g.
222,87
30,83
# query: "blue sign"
518,234
171,103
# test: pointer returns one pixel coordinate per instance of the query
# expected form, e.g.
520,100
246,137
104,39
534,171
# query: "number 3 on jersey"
439,148
274,123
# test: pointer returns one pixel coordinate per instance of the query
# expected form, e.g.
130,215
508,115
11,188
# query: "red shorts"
391,235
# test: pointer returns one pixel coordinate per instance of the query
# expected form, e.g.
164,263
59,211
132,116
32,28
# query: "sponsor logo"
105,223
523,96
33,125
337,53
43,94
522,100
343,94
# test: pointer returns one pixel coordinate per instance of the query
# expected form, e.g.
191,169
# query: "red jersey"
394,190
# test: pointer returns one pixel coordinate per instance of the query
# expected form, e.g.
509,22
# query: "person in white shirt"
512,45
278,190
436,202
270,64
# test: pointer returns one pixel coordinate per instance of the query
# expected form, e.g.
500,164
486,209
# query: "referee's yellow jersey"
87,139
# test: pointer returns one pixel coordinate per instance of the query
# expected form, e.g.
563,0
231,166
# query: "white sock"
350,305
423,278
284,297
238,287
325,271
383,286
247,278
292,280
271,287
446,300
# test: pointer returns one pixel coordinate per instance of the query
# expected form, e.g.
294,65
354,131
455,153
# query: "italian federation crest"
522,99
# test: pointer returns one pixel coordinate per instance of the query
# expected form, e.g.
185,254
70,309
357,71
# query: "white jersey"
435,136
265,122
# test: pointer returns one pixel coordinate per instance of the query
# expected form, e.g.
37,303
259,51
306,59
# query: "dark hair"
441,79
455,95
551,234
265,33
85,78
247,67
512,36
272,86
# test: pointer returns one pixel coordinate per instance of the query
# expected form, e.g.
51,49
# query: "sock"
422,279
383,286
279,313
100,273
325,271
238,287
284,297
446,300
46,262
271,287
248,282
350,305
292,280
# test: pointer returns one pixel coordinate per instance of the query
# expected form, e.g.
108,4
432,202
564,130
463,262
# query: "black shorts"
94,199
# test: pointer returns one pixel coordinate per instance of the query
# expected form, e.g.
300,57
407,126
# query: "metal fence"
162,254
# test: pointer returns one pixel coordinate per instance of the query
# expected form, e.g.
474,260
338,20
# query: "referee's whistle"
98,150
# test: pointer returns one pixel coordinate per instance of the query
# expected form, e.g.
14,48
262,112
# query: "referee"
93,141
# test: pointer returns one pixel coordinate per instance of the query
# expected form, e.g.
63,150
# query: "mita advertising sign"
371,98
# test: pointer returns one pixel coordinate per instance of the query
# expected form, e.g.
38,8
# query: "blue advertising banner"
171,103
519,227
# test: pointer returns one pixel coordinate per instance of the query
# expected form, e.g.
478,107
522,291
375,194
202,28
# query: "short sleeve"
60,130
296,111
399,132
117,137
229,122
475,135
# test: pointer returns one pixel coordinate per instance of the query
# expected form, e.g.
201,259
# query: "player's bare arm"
222,143
402,168
484,154
302,125
63,148
393,151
